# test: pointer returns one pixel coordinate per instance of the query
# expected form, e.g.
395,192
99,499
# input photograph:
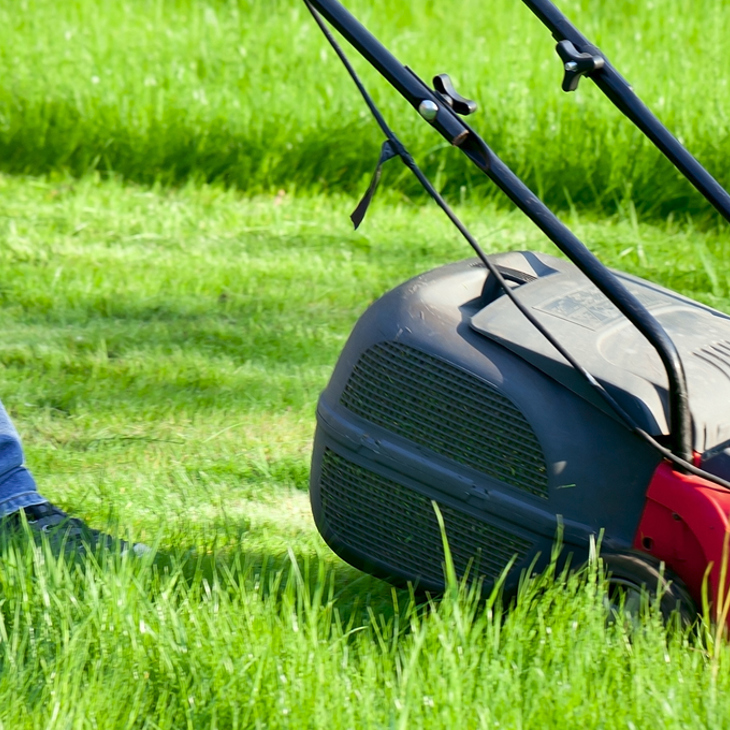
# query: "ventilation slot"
716,354
439,406
385,521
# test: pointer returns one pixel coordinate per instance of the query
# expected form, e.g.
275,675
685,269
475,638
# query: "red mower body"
685,524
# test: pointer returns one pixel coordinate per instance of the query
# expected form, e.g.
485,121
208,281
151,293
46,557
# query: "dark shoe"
69,534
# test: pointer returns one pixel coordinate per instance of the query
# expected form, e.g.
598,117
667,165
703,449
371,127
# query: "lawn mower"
517,395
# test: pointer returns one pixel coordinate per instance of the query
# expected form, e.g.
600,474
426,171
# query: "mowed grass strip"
172,344
162,353
250,95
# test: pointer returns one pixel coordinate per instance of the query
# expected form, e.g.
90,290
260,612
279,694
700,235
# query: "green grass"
162,353
171,330
249,94
179,277
110,646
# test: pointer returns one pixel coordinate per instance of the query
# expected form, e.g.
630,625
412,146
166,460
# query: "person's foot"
68,534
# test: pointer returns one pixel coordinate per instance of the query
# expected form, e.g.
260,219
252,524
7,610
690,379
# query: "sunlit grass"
229,640
162,354
163,351
249,94
165,340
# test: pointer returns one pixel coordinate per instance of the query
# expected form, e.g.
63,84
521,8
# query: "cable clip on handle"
576,64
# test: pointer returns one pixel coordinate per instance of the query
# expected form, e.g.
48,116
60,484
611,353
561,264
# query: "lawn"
249,94
162,355
180,275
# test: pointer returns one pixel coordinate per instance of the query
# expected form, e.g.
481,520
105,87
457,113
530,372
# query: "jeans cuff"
19,501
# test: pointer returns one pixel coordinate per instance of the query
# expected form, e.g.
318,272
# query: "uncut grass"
249,94
162,353
255,648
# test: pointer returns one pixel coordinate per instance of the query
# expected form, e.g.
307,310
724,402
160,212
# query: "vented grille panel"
443,408
395,525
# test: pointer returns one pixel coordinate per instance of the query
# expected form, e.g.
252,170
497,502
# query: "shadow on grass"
316,577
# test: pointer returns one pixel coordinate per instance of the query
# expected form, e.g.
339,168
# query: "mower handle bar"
458,133
622,95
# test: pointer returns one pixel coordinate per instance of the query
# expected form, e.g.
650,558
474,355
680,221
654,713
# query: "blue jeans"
17,486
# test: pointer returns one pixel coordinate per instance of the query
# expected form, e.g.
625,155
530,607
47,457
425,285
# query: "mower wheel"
635,579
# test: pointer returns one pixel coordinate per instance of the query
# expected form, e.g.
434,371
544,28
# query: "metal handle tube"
619,91
447,123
